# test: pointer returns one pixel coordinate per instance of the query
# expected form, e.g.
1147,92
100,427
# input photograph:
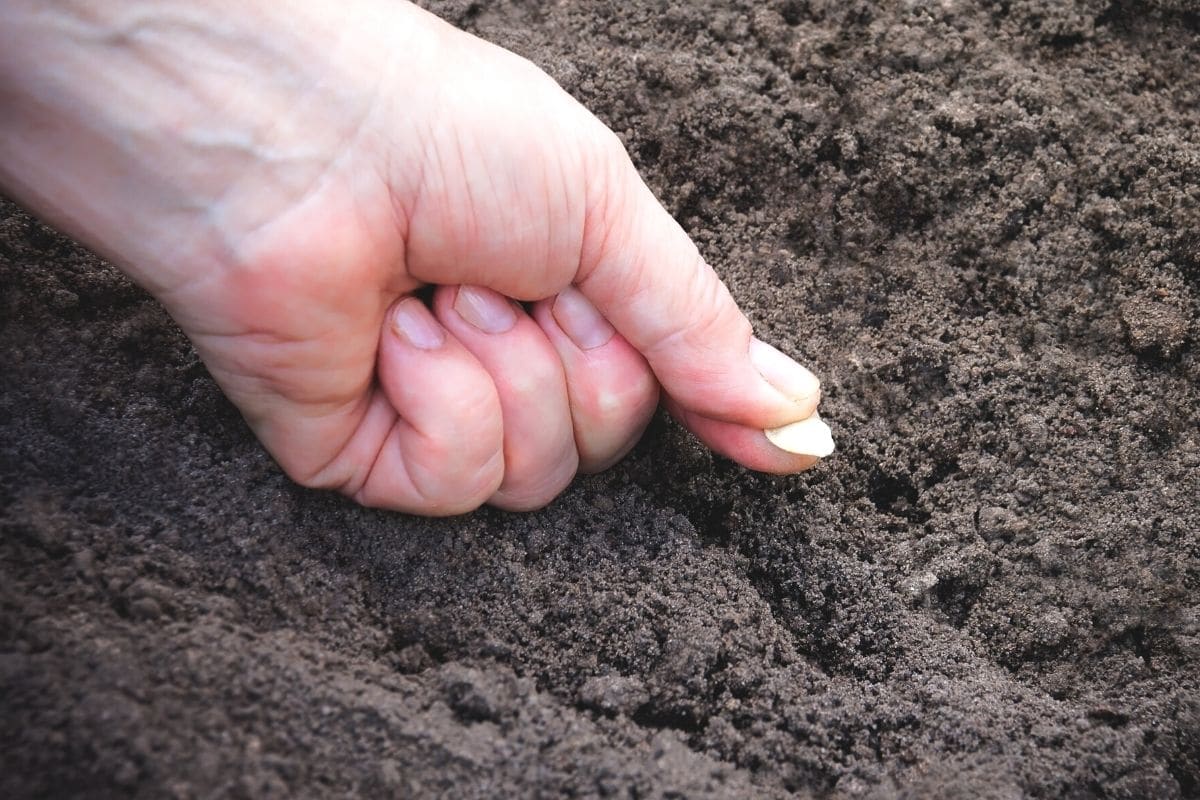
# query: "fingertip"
579,320
790,379
647,277
415,325
750,447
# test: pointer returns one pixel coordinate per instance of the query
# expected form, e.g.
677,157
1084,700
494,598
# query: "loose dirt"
979,223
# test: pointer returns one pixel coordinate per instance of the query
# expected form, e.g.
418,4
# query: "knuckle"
537,490
458,483
538,378
620,403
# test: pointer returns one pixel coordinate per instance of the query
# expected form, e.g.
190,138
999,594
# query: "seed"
808,437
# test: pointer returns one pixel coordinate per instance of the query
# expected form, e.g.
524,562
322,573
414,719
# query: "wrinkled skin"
284,180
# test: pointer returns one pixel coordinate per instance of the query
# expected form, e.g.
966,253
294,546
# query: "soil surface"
979,223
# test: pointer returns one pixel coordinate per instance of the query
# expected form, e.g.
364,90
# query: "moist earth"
979,223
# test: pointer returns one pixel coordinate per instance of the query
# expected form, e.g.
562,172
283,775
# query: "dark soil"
980,223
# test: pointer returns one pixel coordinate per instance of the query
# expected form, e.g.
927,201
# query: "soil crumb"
979,223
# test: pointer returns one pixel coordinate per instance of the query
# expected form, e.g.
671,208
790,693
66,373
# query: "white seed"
808,437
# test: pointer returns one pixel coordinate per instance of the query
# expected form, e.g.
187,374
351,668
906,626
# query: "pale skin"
282,176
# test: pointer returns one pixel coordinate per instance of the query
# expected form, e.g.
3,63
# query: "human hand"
283,179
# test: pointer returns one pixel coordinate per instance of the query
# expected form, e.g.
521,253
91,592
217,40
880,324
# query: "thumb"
646,276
